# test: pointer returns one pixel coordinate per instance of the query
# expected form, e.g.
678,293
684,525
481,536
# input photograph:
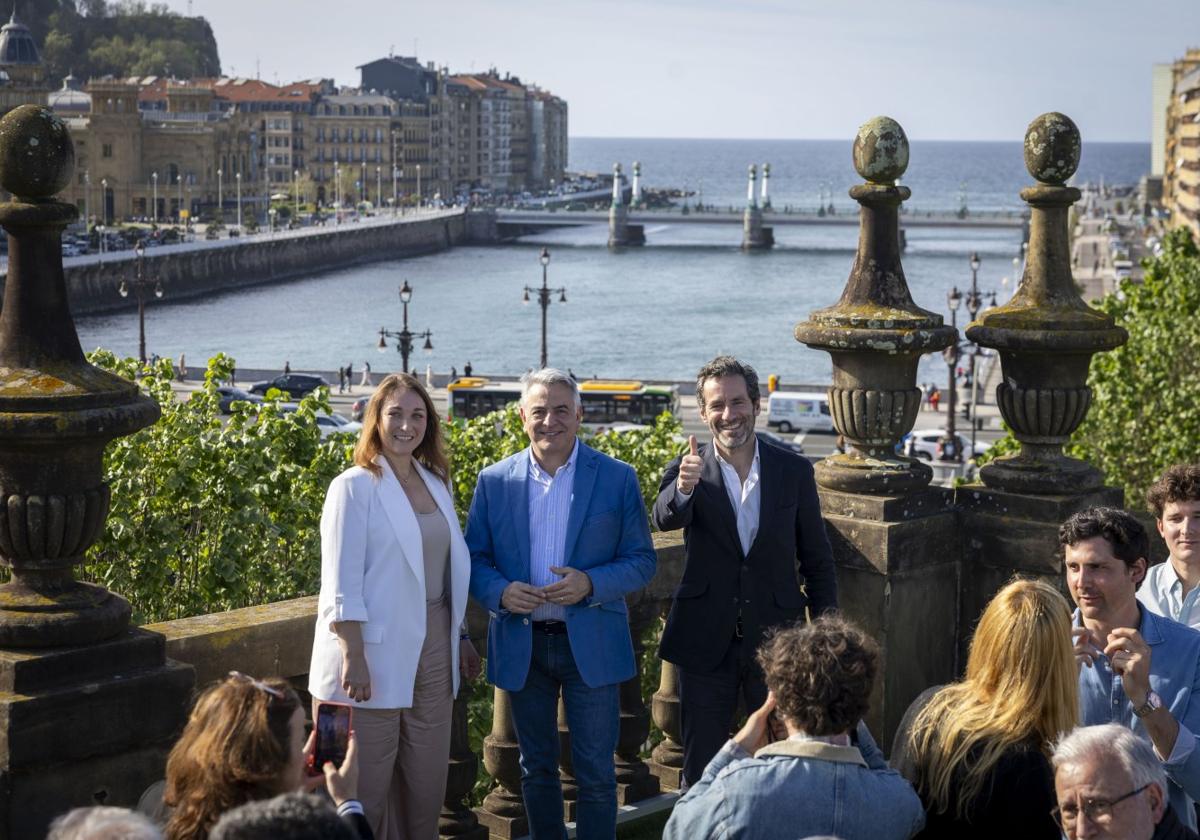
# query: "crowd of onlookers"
1081,722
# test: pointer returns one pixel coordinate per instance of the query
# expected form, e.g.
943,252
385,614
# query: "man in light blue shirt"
1173,588
558,536
1137,669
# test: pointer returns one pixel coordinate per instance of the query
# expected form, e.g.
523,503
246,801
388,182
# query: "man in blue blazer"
558,536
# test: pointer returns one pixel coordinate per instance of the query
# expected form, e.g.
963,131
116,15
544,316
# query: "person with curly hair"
978,751
804,764
244,741
1170,589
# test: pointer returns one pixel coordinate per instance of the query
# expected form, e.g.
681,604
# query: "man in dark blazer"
753,534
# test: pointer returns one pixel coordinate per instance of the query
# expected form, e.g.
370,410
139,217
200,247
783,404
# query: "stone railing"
276,640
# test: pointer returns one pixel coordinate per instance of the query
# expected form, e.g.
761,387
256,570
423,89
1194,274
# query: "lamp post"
950,447
154,210
140,285
178,196
220,199
337,193
104,200
418,186
238,177
395,173
87,201
296,193
404,337
544,294
378,187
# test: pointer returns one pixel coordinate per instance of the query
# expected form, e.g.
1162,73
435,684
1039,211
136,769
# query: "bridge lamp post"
405,337
296,193
220,198
154,206
238,178
140,286
544,294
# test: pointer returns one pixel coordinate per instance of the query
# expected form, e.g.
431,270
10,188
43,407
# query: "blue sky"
946,69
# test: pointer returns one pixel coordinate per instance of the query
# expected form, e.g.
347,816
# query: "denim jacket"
798,788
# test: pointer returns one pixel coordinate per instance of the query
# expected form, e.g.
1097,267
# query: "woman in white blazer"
389,640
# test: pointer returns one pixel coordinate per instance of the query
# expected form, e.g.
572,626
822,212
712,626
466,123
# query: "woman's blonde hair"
431,451
1021,687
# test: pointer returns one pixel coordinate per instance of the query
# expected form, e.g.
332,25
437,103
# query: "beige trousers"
404,754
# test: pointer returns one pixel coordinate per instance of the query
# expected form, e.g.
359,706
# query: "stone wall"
189,273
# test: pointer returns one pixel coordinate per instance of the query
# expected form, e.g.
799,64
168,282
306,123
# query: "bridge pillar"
766,197
635,199
755,237
620,232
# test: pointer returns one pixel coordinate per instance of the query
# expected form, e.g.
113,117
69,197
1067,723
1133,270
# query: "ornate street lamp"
404,337
951,451
140,286
544,294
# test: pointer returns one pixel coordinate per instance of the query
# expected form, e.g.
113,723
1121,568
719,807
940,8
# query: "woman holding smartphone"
389,640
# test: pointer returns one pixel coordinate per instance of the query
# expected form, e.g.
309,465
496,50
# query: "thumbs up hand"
689,469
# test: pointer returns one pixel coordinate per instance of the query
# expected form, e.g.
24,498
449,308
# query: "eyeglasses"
1098,811
259,684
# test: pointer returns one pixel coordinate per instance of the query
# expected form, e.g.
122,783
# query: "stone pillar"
1046,336
634,781
666,761
635,199
503,810
754,236
457,820
895,539
88,706
765,199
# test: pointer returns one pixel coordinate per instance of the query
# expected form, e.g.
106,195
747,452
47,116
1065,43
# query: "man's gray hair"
547,377
1112,743
101,822
289,816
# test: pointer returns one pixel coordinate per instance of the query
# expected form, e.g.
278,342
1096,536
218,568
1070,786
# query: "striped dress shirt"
550,499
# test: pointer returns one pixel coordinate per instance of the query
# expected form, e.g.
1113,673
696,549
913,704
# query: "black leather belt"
550,628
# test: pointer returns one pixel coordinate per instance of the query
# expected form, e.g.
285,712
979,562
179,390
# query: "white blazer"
373,571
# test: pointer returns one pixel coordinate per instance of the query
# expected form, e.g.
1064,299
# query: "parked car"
229,395
295,384
358,407
790,444
328,424
926,444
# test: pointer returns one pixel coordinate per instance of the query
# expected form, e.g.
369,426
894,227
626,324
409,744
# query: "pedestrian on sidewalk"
935,397
366,377
349,377
287,367
467,368
182,372
341,380
453,373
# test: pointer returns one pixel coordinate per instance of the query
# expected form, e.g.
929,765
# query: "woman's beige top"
435,547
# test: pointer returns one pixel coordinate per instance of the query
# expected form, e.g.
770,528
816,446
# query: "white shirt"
549,508
746,499
1162,593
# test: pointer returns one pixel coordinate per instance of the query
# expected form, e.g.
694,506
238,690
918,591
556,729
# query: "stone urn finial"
57,412
875,333
1046,335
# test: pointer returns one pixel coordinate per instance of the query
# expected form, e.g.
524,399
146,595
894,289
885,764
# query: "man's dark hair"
727,366
291,816
821,674
1121,530
1180,483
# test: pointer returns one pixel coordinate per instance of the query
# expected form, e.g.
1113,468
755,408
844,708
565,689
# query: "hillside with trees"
93,38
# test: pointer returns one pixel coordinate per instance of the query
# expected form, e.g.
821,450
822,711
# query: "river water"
655,312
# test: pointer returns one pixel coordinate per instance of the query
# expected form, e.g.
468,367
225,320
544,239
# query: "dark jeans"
592,717
708,703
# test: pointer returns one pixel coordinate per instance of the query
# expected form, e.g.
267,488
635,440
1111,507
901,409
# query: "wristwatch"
1152,704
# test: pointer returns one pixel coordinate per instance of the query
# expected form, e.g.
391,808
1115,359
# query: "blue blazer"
607,536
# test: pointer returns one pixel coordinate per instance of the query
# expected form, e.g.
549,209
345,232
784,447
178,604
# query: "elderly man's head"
1109,784
821,674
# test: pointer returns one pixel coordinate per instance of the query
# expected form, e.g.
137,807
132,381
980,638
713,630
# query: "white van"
792,411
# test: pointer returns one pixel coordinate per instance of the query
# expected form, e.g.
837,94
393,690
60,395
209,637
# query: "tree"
1145,413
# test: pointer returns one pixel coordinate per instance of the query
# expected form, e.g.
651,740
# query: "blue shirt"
1175,677
549,509
1162,593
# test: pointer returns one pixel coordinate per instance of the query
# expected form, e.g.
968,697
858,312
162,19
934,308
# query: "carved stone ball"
881,150
37,156
1052,146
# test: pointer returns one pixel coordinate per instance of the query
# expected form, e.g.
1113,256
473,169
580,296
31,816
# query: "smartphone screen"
333,735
